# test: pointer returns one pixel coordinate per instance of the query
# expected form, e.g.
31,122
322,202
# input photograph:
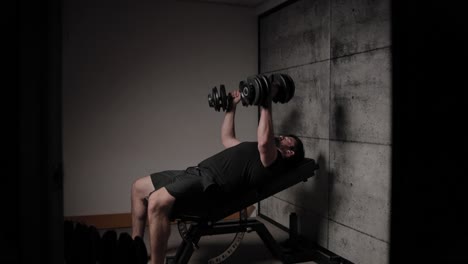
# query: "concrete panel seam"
360,52
295,66
329,119
362,142
301,207
359,231
307,137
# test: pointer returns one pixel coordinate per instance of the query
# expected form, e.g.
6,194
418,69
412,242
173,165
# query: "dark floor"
251,249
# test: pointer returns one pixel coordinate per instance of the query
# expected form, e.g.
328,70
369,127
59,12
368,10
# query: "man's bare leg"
159,207
140,189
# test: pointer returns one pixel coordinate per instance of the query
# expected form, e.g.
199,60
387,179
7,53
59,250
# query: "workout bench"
205,219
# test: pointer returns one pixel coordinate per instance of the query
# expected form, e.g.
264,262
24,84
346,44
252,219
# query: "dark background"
429,202
429,218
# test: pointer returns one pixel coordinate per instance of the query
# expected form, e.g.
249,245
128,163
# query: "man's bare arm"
228,130
265,134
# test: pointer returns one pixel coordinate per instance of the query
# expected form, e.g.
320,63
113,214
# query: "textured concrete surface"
304,23
361,97
359,26
307,114
342,111
360,187
356,246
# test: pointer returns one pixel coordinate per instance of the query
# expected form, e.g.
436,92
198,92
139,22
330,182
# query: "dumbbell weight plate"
267,85
257,92
265,80
226,98
280,95
261,91
244,93
211,102
284,88
216,99
254,86
264,83
229,99
223,97
257,95
290,87
266,89
260,87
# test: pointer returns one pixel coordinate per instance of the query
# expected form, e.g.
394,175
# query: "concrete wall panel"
359,25
357,247
361,97
295,35
310,224
342,111
360,187
307,114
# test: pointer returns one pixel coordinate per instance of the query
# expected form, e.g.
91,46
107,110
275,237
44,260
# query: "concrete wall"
339,55
136,75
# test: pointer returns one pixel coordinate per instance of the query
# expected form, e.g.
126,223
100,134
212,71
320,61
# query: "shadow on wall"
312,219
339,131
311,197
291,121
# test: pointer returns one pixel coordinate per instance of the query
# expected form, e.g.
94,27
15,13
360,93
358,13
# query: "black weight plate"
241,88
216,98
228,102
253,89
223,97
276,80
284,88
261,95
258,93
256,86
210,101
291,87
265,86
257,96
271,79
246,91
265,80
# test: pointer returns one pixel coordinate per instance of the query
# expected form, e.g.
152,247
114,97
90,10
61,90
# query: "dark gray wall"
338,53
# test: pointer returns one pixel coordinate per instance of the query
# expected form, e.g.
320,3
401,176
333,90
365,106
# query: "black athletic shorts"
183,183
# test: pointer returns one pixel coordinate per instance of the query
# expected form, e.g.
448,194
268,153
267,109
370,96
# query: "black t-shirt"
239,168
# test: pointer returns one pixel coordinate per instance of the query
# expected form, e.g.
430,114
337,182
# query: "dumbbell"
254,91
220,100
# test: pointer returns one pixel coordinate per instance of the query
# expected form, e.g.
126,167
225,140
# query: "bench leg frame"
292,251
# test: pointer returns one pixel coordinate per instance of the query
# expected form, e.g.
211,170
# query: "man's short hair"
298,149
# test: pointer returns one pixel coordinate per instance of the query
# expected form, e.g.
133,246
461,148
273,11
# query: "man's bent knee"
142,186
160,201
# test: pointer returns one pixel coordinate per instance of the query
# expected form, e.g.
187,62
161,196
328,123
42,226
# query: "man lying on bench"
241,166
